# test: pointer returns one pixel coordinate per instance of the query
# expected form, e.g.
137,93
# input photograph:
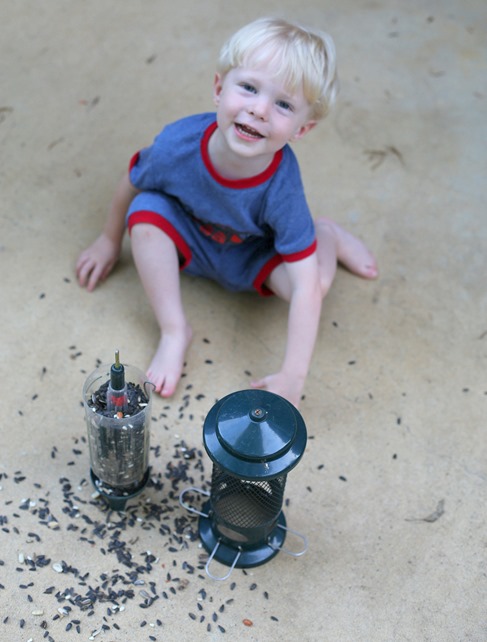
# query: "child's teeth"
249,131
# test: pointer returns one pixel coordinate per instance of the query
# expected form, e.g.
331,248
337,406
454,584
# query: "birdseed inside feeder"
117,402
254,438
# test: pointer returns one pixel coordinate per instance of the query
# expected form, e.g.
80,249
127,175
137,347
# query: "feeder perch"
254,438
117,402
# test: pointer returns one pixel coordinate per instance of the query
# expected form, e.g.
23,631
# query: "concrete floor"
391,491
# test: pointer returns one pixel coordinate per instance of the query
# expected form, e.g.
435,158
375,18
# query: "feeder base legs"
253,556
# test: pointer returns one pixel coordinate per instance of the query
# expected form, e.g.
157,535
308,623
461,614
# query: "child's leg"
336,245
157,262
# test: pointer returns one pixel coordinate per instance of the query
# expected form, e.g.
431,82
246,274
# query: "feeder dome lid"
254,434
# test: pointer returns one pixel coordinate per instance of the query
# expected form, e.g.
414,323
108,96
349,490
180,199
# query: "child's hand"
96,262
282,384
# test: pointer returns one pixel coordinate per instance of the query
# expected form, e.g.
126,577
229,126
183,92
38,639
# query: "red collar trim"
240,183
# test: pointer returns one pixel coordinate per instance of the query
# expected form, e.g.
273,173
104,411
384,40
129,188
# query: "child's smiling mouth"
248,132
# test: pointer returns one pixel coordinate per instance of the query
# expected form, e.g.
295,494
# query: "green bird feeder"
254,438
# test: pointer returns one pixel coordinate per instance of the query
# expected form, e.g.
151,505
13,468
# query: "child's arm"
303,321
97,261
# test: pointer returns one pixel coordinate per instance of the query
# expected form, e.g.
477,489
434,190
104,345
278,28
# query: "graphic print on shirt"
220,233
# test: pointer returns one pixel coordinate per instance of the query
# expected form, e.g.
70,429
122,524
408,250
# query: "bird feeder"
254,438
117,402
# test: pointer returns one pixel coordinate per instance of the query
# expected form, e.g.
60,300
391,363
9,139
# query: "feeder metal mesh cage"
245,511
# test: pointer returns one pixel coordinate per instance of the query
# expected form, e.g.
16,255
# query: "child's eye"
283,104
248,87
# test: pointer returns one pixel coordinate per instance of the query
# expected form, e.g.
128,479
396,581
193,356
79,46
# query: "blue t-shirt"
271,205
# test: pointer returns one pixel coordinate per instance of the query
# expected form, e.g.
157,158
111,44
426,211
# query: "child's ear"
217,88
304,129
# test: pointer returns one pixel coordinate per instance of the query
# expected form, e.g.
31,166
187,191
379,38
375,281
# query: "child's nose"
259,108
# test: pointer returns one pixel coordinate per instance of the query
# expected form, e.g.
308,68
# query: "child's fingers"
88,274
96,275
79,265
84,265
83,270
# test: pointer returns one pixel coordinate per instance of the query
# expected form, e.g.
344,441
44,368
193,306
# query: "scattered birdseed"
132,573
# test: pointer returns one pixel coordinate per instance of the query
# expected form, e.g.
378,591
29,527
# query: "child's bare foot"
351,252
167,364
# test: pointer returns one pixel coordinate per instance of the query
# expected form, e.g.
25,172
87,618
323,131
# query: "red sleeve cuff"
298,256
133,161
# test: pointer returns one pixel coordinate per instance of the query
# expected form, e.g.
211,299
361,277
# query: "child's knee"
326,281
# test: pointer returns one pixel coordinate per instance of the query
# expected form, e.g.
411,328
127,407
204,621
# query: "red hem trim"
152,218
259,281
241,183
133,161
298,256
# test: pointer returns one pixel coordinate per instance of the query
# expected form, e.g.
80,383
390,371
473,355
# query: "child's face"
256,114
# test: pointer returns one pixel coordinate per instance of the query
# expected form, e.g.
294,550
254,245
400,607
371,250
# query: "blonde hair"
299,56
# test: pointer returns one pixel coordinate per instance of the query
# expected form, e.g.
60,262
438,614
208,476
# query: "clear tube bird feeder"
118,424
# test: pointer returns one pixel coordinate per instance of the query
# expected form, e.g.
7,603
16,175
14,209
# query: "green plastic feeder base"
255,555
116,501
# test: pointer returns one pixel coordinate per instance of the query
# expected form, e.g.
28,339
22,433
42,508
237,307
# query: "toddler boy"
220,196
